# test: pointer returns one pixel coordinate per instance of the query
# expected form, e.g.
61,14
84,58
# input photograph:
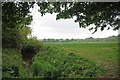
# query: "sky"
48,27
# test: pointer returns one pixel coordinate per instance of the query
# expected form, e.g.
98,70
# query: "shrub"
30,48
12,64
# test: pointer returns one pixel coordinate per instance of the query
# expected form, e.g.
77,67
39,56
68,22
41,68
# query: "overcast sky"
48,27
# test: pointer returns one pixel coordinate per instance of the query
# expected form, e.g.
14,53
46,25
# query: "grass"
54,63
64,60
105,54
48,63
13,65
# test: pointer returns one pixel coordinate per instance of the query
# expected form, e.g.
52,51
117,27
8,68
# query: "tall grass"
104,54
13,65
54,63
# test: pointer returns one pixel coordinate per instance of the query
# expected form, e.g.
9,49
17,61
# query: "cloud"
48,27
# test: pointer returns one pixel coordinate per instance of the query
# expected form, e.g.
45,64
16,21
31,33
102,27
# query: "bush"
32,44
30,48
12,64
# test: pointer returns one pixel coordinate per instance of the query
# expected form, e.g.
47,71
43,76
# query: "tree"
101,14
15,19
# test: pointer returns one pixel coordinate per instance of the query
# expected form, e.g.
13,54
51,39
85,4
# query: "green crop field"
104,54
64,60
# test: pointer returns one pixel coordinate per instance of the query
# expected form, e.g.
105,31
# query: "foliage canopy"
101,14
16,17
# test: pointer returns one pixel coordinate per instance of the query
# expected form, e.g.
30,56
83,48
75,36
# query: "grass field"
54,63
64,60
104,54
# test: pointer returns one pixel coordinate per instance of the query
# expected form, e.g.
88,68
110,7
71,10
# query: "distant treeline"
90,39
